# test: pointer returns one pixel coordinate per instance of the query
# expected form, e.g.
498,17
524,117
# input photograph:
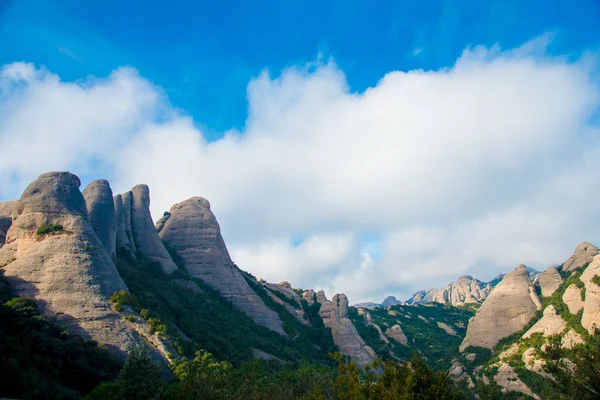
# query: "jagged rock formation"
591,306
395,332
549,281
101,212
6,209
67,271
508,308
191,231
583,255
573,299
284,288
335,316
465,290
309,296
139,229
369,322
550,324
422,297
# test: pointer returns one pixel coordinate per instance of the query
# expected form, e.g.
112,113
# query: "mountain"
465,290
523,317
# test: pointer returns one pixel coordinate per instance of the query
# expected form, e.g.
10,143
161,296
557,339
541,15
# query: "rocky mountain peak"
583,255
101,211
54,256
191,231
508,308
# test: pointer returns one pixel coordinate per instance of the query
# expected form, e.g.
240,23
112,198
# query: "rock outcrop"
550,324
396,333
59,261
309,296
101,212
191,231
6,209
583,255
422,297
591,306
136,232
447,328
507,378
335,316
508,308
573,299
549,281
571,339
465,290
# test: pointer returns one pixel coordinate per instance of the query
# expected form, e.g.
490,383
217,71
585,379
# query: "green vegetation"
419,324
596,280
207,321
578,378
47,229
204,377
40,360
8,262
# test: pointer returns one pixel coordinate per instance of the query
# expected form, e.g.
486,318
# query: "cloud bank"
423,177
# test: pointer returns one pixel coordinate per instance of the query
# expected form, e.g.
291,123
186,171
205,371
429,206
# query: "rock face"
508,308
571,339
191,231
584,253
395,332
136,232
422,297
101,211
591,306
335,316
309,296
6,210
572,298
68,272
463,291
508,379
549,281
550,324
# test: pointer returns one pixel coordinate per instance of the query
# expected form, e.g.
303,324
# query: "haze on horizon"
372,159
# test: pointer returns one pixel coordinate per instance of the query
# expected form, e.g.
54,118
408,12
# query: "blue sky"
204,53
372,148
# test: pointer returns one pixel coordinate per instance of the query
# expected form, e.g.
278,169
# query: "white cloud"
470,169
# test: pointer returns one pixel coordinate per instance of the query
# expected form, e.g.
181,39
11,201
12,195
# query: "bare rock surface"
572,298
284,288
447,328
508,379
465,290
591,306
146,239
191,230
68,272
309,296
101,211
396,333
549,281
550,324
508,308
6,209
422,297
584,253
571,339
335,316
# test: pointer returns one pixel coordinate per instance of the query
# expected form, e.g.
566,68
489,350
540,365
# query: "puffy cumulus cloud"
473,168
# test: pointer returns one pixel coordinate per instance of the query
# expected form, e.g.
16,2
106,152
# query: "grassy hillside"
201,319
420,325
